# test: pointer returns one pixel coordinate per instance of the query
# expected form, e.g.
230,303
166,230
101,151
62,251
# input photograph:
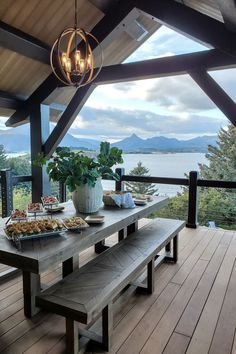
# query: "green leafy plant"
75,168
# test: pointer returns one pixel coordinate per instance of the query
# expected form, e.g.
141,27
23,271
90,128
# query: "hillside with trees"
214,204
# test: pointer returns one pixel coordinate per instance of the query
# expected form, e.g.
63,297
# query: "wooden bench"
89,291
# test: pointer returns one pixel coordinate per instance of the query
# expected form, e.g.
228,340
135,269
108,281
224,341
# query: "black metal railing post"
192,200
120,186
62,192
7,192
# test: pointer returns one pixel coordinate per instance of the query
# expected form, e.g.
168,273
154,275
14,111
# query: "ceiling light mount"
72,59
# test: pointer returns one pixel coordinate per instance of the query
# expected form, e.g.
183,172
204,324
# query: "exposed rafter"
168,66
215,93
39,95
9,100
67,119
22,43
228,11
191,23
103,5
108,23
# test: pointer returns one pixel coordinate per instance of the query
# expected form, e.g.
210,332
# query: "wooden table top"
38,254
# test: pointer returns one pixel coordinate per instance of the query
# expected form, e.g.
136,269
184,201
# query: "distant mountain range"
17,140
160,143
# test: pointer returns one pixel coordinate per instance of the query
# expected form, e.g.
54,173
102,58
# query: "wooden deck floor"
193,308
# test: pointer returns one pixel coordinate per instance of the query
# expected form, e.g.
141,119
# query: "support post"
120,184
39,132
62,192
7,192
193,200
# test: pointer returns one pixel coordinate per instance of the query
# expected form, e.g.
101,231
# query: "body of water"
159,165
163,165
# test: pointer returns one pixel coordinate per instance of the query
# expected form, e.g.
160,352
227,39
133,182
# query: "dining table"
35,256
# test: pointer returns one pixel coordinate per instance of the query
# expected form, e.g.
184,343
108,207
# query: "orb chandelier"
72,58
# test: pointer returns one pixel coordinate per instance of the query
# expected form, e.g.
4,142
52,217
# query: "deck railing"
8,181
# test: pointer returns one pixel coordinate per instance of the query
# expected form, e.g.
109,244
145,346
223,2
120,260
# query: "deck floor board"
192,309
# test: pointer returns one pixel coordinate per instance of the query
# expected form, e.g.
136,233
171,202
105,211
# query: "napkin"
124,200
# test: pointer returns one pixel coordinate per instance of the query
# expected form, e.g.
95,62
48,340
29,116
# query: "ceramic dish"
94,219
54,208
140,201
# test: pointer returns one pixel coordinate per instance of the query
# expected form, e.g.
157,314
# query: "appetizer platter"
51,204
35,208
18,214
26,230
48,200
75,223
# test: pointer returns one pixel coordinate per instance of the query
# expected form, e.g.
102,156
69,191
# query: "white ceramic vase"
86,199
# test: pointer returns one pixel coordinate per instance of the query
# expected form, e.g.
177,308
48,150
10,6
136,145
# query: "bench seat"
90,290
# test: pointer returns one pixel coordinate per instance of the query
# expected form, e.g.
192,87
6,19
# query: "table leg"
132,228
122,234
31,288
70,265
101,247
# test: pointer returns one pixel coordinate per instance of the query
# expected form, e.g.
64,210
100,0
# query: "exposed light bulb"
68,65
64,59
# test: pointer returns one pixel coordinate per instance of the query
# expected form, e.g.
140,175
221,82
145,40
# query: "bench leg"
150,276
72,337
173,258
168,247
107,326
175,248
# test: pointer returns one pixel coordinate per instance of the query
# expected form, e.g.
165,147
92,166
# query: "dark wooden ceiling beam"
67,118
228,11
191,23
24,44
168,66
37,97
215,93
9,100
103,5
108,23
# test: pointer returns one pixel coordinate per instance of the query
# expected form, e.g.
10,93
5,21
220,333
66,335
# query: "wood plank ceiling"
45,19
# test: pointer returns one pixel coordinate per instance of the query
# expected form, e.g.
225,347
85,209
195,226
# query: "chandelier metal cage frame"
71,66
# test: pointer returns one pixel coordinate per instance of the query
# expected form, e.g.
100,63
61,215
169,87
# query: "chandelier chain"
76,10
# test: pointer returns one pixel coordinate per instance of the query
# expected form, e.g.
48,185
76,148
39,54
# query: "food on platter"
35,208
49,200
75,223
29,228
18,214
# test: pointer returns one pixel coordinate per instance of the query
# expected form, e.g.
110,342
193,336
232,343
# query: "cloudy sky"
172,107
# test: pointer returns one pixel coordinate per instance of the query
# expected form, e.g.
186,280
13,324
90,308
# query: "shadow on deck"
192,310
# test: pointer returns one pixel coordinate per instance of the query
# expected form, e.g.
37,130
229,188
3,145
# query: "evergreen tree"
222,158
140,187
3,157
214,204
